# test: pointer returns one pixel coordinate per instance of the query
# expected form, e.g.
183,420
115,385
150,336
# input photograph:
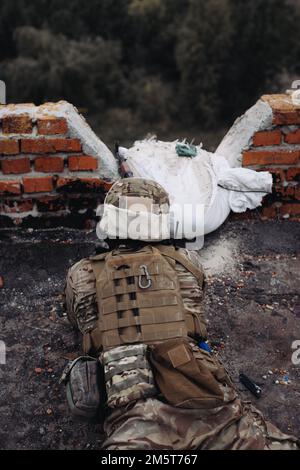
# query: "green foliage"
202,53
265,41
51,67
160,62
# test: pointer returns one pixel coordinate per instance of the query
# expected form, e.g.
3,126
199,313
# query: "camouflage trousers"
153,425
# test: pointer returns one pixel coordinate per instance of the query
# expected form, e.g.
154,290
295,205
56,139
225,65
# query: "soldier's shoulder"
192,256
82,266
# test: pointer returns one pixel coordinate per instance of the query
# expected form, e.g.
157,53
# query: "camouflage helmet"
136,208
138,188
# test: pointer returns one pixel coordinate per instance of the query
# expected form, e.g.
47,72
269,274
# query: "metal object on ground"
250,385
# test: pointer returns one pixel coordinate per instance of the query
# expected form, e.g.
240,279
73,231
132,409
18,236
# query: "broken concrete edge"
271,113
239,137
78,128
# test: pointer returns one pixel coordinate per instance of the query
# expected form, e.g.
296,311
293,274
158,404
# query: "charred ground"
252,306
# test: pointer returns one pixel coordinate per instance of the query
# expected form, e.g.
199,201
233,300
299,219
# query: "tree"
52,67
202,51
265,40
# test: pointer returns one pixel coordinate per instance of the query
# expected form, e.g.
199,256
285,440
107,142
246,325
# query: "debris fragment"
70,356
1,282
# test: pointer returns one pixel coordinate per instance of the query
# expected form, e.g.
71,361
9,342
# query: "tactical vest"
138,297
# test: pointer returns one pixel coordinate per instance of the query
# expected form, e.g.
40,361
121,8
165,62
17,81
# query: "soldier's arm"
192,292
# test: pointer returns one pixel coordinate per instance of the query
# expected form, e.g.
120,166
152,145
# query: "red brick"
286,191
269,212
50,204
97,183
78,202
49,164
293,137
67,145
292,209
293,174
282,118
15,166
247,215
10,187
107,185
15,207
50,145
266,138
38,185
52,125
36,146
278,174
20,124
82,162
9,147
61,182
89,183
269,157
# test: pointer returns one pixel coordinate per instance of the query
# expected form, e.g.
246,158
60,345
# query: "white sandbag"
247,187
206,180
190,181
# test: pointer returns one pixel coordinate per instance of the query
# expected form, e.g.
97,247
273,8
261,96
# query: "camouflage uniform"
150,423
153,425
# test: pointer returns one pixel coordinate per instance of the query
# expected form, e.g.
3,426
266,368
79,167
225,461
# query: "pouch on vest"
189,377
128,375
83,378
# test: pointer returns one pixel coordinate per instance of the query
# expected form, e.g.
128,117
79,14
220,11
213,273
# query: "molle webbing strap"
148,334
87,343
130,312
142,301
185,262
145,317
157,284
98,265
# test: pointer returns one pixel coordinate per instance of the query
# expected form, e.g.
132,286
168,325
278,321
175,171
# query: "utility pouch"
82,378
189,377
128,375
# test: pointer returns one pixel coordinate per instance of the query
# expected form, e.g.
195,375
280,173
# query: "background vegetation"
176,68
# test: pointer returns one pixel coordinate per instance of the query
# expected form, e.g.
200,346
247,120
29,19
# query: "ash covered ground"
252,306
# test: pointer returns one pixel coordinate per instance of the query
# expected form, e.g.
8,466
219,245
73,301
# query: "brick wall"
53,169
267,138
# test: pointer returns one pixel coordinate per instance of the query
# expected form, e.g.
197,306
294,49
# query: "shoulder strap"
98,263
93,337
170,252
99,257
